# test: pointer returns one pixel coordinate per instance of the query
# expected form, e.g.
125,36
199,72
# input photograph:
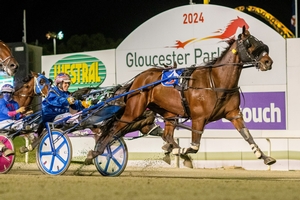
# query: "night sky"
113,18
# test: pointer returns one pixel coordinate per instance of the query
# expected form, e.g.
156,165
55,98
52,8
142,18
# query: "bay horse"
35,84
208,93
8,63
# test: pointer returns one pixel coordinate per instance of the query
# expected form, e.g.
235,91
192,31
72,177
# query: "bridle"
38,88
8,58
258,52
3,61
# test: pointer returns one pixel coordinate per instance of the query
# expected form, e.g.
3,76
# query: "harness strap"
184,103
184,86
243,53
3,61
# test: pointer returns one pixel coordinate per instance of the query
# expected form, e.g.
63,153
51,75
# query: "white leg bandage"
177,151
195,147
256,150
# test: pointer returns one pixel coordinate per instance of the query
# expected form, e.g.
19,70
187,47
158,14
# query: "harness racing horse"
208,93
35,84
7,62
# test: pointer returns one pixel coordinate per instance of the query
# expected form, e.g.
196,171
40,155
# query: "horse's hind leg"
147,126
133,110
238,123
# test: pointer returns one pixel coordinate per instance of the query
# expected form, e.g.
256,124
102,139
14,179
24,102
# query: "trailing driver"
9,112
57,102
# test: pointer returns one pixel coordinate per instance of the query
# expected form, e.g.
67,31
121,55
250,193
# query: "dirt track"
27,182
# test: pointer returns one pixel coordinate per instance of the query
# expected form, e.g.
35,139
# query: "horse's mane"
25,80
212,62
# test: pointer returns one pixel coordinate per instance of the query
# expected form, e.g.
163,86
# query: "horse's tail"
108,124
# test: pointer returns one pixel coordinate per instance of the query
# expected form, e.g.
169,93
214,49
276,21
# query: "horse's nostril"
268,62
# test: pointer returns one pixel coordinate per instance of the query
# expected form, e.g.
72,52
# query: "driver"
9,112
58,101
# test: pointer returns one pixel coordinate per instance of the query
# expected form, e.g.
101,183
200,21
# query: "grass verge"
18,142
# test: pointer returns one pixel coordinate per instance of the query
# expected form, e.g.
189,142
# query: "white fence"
218,149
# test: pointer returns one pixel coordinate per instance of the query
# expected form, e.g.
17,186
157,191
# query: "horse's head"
35,84
41,84
7,62
250,49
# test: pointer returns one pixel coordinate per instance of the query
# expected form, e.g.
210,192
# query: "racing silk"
56,103
8,110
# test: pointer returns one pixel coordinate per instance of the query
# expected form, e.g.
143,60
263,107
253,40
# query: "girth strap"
184,86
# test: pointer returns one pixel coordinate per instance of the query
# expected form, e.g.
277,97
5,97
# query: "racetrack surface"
25,181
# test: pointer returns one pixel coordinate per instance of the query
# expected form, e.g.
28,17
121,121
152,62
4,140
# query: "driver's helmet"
62,77
7,88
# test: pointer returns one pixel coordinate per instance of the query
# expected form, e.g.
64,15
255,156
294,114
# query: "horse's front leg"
168,137
197,127
238,122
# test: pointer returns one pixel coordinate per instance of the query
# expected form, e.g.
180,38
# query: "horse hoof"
89,158
269,161
187,161
88,161
167,158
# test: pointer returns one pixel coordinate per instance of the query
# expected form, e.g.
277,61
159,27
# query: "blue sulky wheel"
54,158
6,163
114,159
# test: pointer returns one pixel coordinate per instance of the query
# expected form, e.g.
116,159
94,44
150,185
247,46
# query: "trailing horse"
35,84
207,93
8,63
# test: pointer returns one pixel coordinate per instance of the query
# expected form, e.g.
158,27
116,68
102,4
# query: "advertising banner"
261,111
193,35
87,69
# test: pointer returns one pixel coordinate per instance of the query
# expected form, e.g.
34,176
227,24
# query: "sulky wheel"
114,159
6,163
54,155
